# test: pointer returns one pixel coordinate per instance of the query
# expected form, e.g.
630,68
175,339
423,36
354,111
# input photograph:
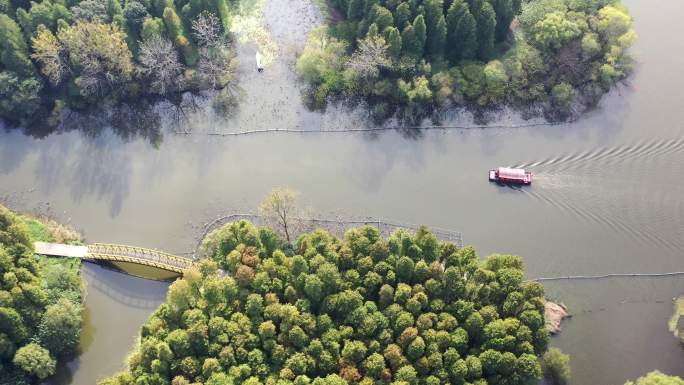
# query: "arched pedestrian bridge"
116,253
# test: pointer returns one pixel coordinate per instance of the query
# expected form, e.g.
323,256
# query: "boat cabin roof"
510,172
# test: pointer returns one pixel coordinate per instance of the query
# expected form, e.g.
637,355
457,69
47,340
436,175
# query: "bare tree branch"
280,206
215,66
369,57
160,62
206,29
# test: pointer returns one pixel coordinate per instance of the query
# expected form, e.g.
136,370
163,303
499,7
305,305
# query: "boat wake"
648,149
631,227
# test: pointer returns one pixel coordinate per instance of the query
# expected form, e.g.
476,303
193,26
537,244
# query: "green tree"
556,366
402,15
408,40
656,378
613,22
35,360
174,27
49,52
100,62
354,351
60,328
436,28
152,28
45,13
13,49
135,14
505,12
496,80
437,40
382,17
224,14
394,42
420,30
486,31
461,32
92,11
563,97
407,374
115,12
19,99
280,208
553,31
355,9
374,365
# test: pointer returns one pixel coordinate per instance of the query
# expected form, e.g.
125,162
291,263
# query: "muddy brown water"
607,198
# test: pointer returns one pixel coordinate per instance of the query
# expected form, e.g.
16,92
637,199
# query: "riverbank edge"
554,314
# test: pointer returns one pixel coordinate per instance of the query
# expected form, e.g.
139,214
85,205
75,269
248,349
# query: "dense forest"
57,54
405,310
40,301
554,56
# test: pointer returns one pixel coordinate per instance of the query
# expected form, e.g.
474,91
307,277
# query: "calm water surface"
608,196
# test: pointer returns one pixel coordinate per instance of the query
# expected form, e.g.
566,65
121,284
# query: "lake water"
608,195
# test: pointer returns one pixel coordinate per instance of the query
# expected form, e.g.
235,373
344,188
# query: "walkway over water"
117,253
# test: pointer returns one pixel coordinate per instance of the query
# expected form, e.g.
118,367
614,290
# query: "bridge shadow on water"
129,285
134,298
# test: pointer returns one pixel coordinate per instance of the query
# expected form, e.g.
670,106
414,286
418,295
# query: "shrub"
556,366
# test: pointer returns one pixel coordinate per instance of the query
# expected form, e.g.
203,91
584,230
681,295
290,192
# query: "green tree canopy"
656,378
556,366
362,309
40,317
436,49
35,360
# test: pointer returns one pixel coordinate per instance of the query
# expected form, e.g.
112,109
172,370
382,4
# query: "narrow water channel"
607,196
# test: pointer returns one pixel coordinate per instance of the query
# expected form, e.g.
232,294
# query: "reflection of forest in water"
145,119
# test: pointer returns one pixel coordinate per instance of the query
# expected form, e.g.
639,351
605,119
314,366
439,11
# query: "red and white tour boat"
510,175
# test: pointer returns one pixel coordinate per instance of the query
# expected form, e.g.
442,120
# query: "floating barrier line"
615,275
371,129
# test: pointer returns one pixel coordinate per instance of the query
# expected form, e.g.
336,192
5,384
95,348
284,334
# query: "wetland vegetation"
557,57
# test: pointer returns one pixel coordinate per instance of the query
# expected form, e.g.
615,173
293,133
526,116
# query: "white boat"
259,65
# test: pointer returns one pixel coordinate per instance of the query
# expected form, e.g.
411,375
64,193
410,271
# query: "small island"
410,58
407,309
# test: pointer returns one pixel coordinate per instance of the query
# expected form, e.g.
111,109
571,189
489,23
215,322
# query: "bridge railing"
123,253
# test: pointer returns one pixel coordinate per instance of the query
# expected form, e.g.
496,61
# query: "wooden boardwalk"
117,253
